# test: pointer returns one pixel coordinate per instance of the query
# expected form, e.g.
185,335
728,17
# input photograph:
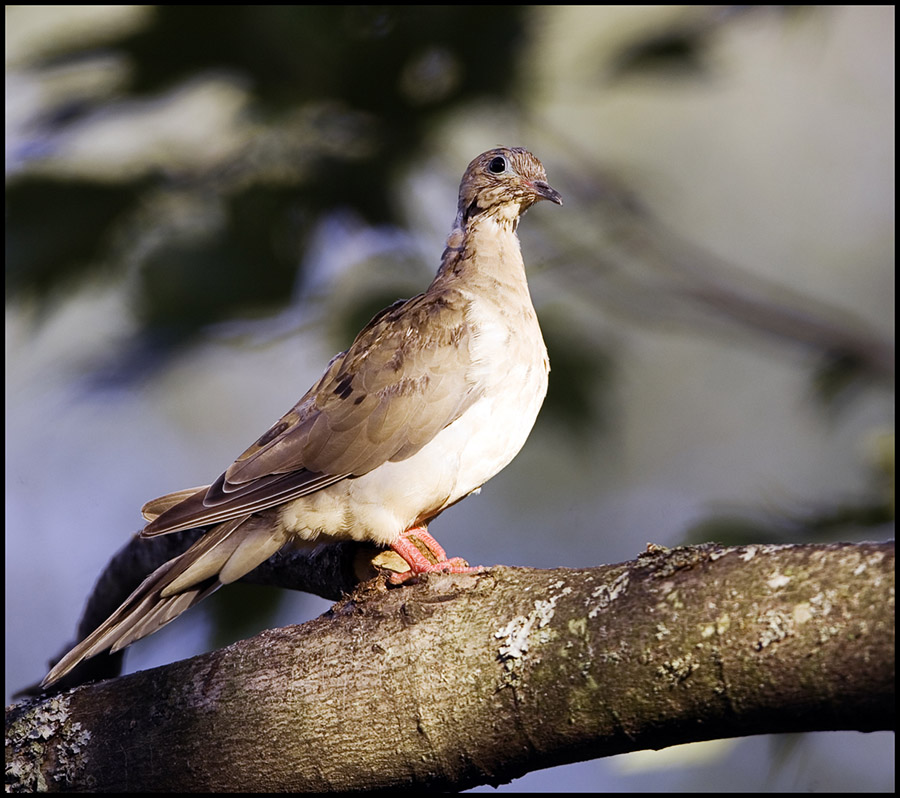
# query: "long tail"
224,554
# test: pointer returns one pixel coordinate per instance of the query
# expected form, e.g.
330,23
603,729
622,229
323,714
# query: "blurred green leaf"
57,230
250,263
674,52
836,377
582,374
343,97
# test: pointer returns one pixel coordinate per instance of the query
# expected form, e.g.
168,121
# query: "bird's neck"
484,250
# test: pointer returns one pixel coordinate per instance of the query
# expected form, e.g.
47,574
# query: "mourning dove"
435,396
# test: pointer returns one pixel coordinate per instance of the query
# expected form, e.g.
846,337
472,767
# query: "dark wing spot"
273,433
344,387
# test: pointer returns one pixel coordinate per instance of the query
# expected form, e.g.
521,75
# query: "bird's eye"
497,165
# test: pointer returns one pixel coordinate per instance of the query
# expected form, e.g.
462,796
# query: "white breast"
379,505
510,368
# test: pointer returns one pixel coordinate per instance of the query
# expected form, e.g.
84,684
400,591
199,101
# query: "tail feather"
235,548
154,509
208,555
257,544
158,614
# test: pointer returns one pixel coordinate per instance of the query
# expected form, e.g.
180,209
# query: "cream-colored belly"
391,498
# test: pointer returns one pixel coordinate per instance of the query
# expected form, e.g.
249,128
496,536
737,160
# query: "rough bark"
471,679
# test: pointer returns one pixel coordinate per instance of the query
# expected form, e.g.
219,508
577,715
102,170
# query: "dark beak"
544,191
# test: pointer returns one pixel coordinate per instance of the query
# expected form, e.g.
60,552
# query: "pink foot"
424,555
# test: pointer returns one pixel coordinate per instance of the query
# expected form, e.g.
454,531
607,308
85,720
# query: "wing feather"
406,376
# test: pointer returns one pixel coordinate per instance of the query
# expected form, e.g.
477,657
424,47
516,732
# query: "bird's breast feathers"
508,378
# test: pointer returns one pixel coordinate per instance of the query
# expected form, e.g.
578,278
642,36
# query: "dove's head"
503,183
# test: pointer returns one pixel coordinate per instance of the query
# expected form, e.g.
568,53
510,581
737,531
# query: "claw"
425,555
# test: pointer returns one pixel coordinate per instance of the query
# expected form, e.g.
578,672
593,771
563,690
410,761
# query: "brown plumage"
434,396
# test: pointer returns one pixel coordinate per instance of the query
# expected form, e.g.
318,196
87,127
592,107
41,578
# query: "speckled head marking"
503,183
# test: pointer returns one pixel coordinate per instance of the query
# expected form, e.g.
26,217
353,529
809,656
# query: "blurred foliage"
344,94
677,51
54,229
239,266
836,380
583,372
360,54
680,48
866,520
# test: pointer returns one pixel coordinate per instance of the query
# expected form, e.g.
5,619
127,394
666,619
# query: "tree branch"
471,679
329,571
